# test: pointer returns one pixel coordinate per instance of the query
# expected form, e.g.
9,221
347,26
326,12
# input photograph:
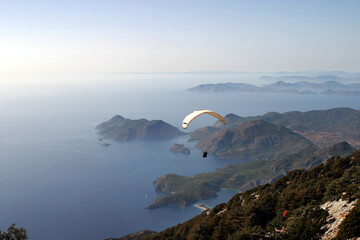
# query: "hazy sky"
83,36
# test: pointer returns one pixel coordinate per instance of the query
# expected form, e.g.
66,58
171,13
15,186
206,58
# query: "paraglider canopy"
197,113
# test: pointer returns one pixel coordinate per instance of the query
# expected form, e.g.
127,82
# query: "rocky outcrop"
338,210
179,148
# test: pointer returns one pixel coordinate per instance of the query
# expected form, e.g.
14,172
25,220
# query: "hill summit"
255,139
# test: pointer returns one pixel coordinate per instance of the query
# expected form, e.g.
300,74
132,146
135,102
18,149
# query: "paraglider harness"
277,231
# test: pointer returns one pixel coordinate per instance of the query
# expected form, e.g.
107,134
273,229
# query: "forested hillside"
301,205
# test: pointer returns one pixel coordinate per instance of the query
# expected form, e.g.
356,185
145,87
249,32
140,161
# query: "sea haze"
58,182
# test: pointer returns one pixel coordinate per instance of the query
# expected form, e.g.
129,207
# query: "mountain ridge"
322,127
255,139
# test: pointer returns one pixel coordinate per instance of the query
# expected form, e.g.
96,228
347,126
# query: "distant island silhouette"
299,87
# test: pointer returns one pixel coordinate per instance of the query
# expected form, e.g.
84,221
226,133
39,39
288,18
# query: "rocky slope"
122,129
338,210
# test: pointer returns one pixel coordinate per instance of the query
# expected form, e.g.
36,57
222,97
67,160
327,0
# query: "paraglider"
282,230
197,113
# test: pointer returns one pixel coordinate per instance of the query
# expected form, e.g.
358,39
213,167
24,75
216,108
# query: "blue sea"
58,182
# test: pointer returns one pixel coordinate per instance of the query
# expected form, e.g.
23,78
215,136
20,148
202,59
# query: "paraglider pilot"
204,154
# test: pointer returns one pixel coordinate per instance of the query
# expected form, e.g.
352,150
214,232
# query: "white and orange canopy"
197,113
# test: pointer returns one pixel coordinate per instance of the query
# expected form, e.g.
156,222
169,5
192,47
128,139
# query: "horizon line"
239,72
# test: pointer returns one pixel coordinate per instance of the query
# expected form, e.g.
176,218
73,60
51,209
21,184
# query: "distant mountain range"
300,87
121,129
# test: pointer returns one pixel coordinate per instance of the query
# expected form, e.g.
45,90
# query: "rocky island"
179,148
121,129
